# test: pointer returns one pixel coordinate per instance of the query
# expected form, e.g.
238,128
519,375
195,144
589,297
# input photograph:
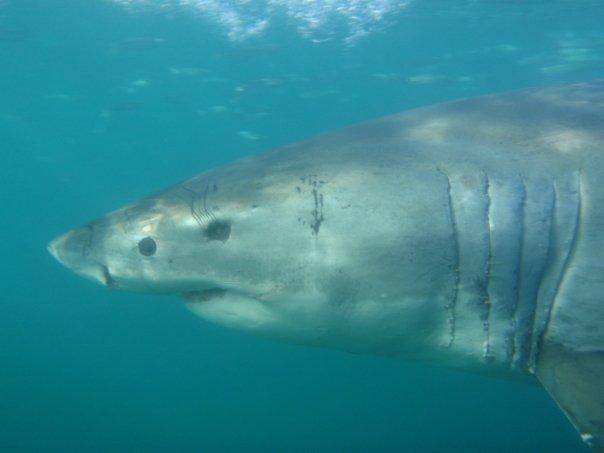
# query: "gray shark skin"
467,234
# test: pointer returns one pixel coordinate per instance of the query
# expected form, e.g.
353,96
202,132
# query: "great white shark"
468,234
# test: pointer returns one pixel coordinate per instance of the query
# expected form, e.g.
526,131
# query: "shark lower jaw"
214,293
231,309
204,295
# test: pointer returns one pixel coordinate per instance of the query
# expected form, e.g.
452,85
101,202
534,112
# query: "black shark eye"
147,246
218,230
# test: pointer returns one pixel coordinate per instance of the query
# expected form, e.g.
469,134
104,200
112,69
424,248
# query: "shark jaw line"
204,295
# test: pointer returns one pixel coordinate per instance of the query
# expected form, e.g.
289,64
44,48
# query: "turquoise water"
102,102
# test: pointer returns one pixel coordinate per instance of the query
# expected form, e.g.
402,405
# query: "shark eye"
147,246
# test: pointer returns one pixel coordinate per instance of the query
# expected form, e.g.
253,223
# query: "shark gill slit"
452,305
511,351
525,326
576,232
565,236
542,298
487,280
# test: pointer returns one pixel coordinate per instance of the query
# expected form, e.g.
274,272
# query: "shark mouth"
205,295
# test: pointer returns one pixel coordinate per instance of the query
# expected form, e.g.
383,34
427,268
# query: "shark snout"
72,249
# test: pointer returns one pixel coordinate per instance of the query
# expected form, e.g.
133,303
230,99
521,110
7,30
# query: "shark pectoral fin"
576,382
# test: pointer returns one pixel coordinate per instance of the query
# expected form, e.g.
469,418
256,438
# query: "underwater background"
105,101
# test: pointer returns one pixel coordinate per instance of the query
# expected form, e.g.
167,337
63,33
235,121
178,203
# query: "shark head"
267,245
191,238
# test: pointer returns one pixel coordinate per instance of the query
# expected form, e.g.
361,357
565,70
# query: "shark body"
467,234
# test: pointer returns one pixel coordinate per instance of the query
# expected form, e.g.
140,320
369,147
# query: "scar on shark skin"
317,197
198,204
